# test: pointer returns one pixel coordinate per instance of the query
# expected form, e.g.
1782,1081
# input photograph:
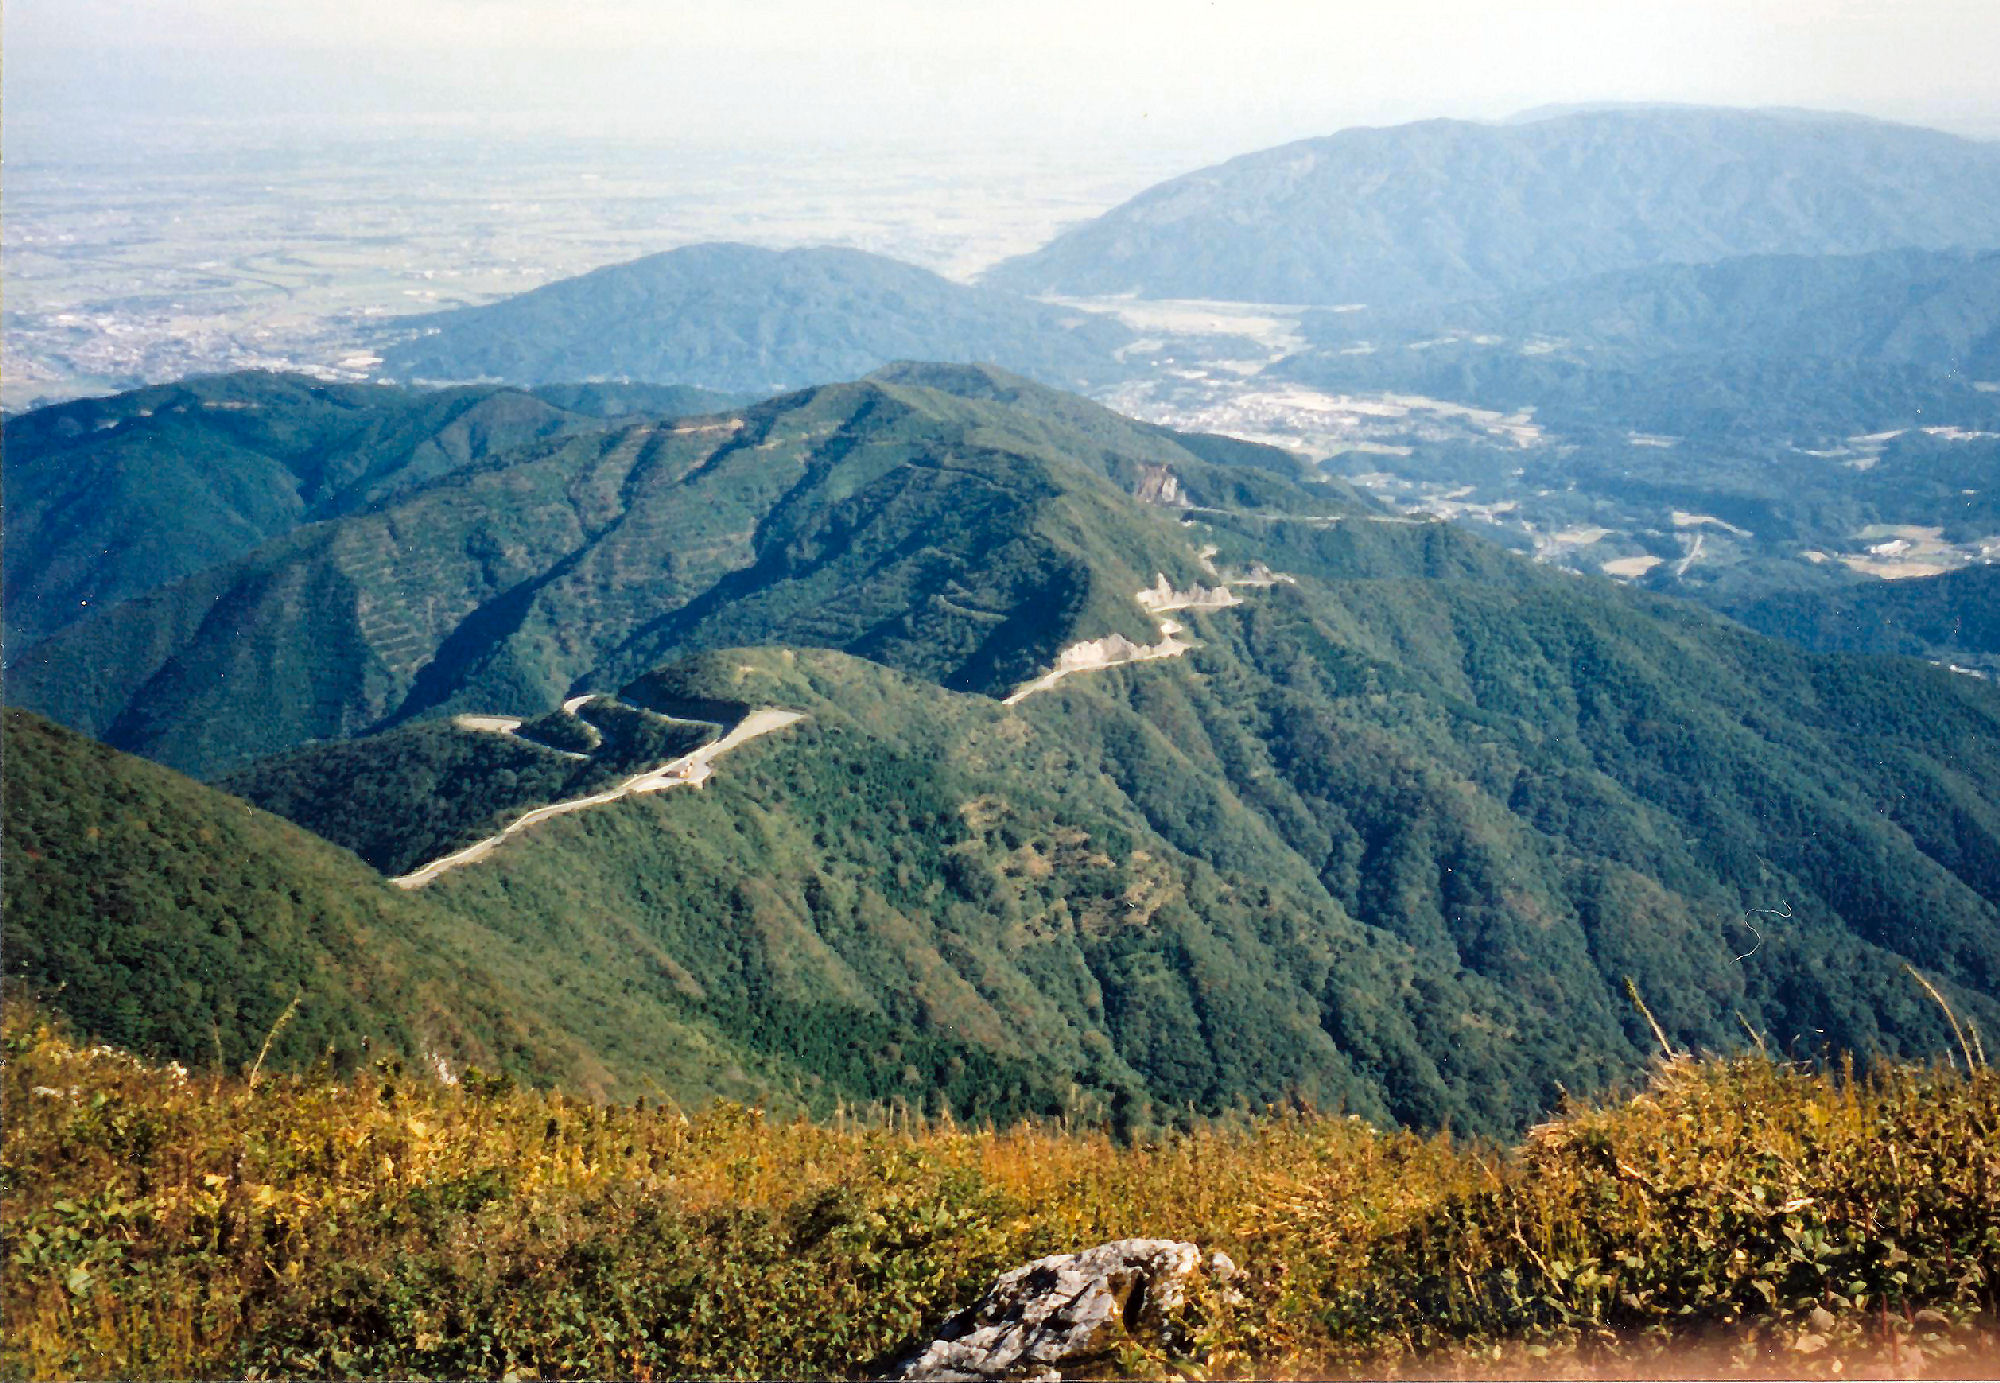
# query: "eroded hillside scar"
1115,650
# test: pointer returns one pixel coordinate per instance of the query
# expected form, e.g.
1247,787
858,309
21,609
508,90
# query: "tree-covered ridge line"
1450,210
170,919
109,499
959,522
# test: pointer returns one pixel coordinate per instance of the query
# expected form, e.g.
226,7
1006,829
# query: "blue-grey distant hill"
751,320
1816,403
1954,616
1447,209
1938,309
1806,345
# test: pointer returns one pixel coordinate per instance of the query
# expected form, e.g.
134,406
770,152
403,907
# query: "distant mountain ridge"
1818,406
751,320
1800,346
1446,209
1939,309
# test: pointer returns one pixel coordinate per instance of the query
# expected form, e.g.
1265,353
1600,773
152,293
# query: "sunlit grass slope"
1732,1216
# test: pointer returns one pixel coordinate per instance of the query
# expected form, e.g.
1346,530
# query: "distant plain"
148,264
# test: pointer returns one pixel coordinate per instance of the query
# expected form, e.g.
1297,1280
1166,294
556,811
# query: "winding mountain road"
1115,650
690,770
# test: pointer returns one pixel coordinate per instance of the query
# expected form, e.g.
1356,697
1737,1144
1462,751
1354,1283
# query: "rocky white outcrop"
1056,1314
1115,650
1159,485
1257,574
1091,655
1162,596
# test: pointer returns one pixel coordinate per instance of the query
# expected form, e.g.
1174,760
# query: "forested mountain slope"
1386,820
1392,843
182,922
1955,616
752,320
1446,209
963,536
110,498
168,917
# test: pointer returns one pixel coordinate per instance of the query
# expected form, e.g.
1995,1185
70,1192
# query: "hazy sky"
1165,75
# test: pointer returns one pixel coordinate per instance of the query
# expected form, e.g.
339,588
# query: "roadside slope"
170,918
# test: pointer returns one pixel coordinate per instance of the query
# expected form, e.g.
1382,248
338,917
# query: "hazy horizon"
1182,81
224,184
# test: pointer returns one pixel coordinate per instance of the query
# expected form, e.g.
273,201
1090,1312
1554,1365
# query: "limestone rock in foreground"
1066,1311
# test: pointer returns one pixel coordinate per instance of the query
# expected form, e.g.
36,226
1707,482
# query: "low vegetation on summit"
1741,1216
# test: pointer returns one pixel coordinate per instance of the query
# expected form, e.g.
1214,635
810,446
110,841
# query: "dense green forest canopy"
1398,852
112,498
173,920
1957,613
957,522
178,921
1392,834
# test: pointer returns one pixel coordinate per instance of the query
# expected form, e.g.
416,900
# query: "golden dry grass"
1736,1217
